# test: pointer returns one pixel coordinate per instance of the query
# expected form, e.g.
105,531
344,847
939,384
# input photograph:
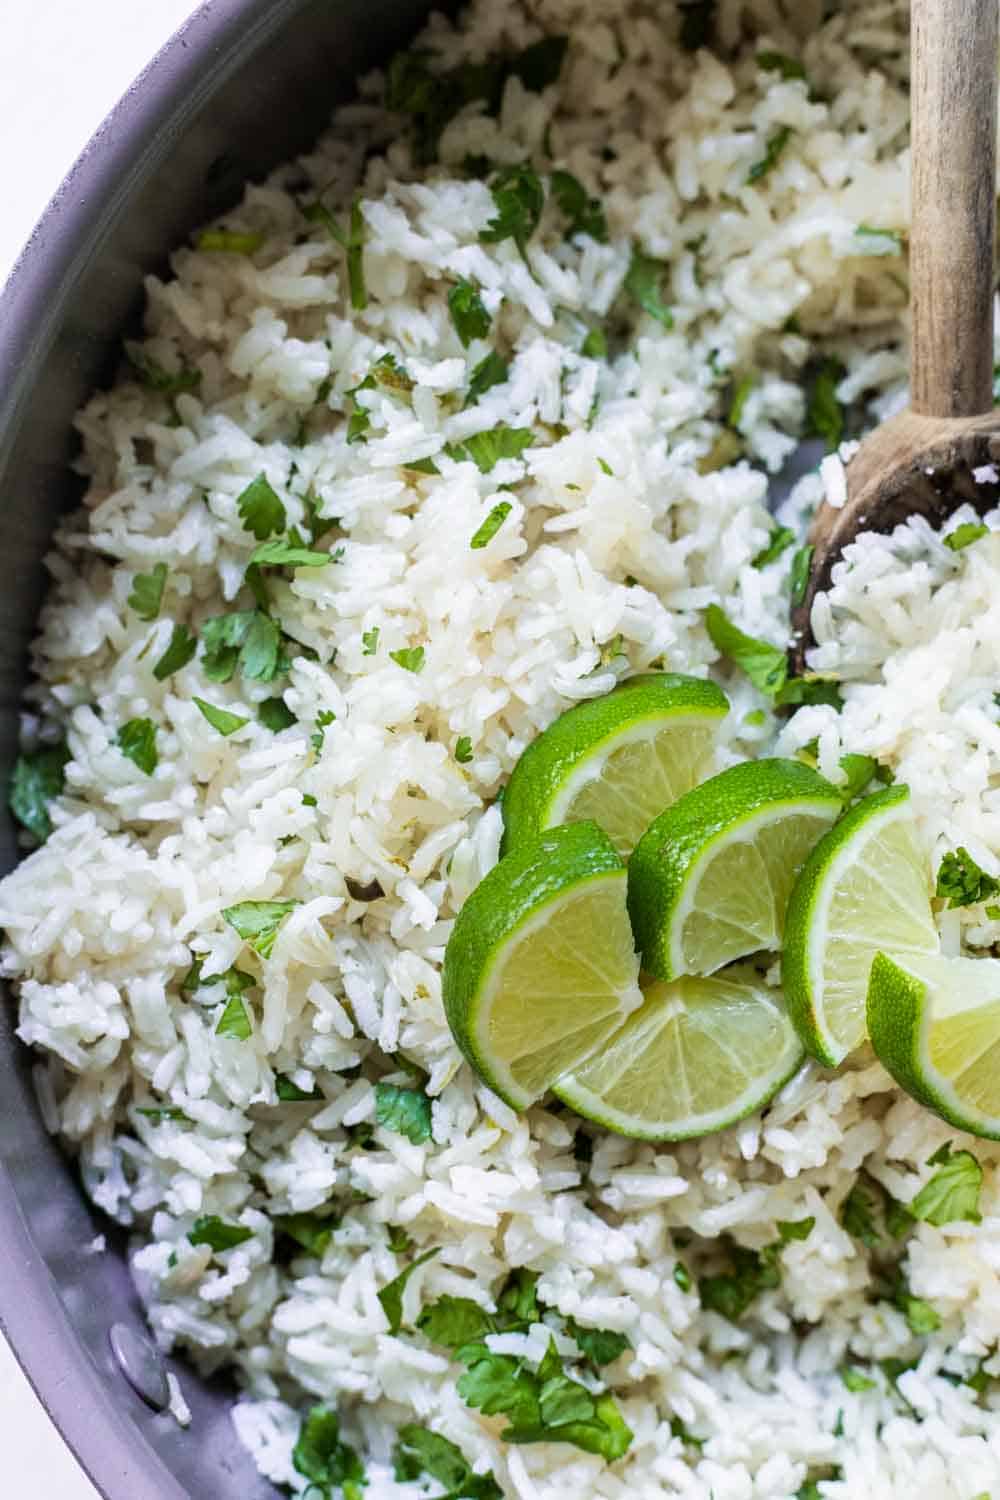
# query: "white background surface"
63,63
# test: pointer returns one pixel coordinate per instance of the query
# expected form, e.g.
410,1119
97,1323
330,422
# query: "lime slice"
935,1025
710,879
540,968
618,760
865,886
697,1056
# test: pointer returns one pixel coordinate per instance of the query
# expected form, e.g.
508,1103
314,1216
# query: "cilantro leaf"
180,649
764,664
229,241
164,1113
282,554
859,770
257,922
953,1192
275,715
964,535
812,688
780,539
147,592
776,144
854,1380
220,718
780,62
154,377
919,1314
517,1304
38,776
355,258
595,345
399,1242
961,882
642,284
137,741
260,508
260,654
798,577
313,1232
391,1295
893,236
518,198
321,1457
737,404
824,413
468,314
682,1276
324,719
411,658
217,1234
599,1345
731,1293
489,528
486,449
249,638
420,1451
404,1110
489,372
463,749
369,641
585,214
796,1229
857,1215
455,1322
289,1092
235,1020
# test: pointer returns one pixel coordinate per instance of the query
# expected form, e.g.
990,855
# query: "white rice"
103,920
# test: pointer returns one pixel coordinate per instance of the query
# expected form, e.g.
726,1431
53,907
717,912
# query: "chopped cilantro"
282,554
737,404
180,649
595,345
399,1242
489,528
780,539
154,377
289,1092
780,62
490,371
230,241
678,1430
642,284
410,658
260,508
776,144
764,664
898,1218
38,776
455,1321
859,769
468,314
463,749
585,214
518,198
854,1380
324,719
824,413
697,23
961,882
964,535
369,641
404,1110
257,922
918,1313
313,1232
321,1457
486,449
217,1234
869,231
731,1293
418,1451
682,1276
422,465
798,577
542,1406
812,688
601,1346
247,638
355,258
220,718
953,1192
796,1229
235,1020
147,592
605,467
161,1115
391,1295
857,1215
137,742
275,715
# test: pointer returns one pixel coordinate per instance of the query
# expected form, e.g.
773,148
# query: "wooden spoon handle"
954,98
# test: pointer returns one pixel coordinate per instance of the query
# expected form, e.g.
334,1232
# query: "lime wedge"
710,879
697,1056
540,968
865,886
618,760
935,1025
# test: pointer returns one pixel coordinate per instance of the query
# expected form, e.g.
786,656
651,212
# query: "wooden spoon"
923,461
